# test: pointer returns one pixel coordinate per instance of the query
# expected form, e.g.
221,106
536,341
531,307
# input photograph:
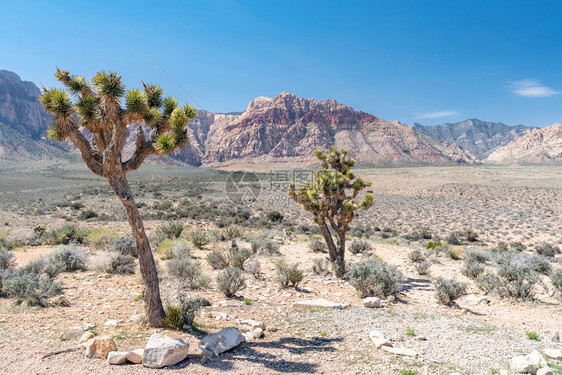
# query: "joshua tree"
96,117
331,198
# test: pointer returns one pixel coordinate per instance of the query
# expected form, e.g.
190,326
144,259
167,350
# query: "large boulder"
162,351
99,347
221,341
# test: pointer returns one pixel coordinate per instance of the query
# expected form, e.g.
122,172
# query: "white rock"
86,336
372,302
545,371
521,365
401,351
89,326
221,341
553,353
112,322
137,318
72,334
162,351
253,323
116,358
536,359
258,333
376,334
135,356
245,328
317,304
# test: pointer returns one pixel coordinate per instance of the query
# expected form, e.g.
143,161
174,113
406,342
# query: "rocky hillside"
479,137
540,146
289,128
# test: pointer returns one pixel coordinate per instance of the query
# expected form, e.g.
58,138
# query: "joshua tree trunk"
152,301
337,253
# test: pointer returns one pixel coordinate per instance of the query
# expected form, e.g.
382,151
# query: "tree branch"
143,149
86,152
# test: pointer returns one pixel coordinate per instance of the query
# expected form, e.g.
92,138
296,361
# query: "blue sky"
442,61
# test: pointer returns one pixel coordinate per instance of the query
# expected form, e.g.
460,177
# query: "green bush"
217,259
422,268
472,268
188,272
454,238
359,246
169,247
7,259
72,258
271,247
416,256
274,216
199,238
173,318
67,234
237,257
189,307
232,232
87,214
448,290
375,278
230,281
120,264
547,249
289,275
556,279
172,229
102,238
31,288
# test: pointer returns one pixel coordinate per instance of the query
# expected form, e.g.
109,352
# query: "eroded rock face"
542,146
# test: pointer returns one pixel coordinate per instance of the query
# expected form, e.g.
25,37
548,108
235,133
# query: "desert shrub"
72,258
472,268
199,238
477,256
31,288
320,266
237,257
172,229
173,318
87,214
274,216
5,274
216,235
119,264
6,259
232,232
217,259
470,235
416,256
375,278
253,267
289,275
433,245
455,252
230,281
67,234
517,246
547,249
270,247
169,247
125,246
317,246
189,307
454,238
418,234
359,246
448,290
102,238
516,276
556,279
422,268
188,272
501,247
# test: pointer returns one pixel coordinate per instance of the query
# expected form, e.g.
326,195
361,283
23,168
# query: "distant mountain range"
283,129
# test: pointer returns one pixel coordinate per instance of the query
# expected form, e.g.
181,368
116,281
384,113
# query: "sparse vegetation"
231,281
376,278
359,246
199,238
316,246
448,290
289,275
188,272
217,259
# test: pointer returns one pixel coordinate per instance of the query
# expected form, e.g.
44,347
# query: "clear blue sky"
493,60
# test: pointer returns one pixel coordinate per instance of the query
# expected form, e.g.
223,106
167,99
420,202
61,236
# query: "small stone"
221,341
86,336
258,333
245,329
372,302
556,337
99,347
162,351
536,359
317,304
116,358
553,353
272,329
112,322
545,371
253,324
89,326
72,334
135,356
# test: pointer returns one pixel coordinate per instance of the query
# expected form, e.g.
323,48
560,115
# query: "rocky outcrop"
478,137
539,146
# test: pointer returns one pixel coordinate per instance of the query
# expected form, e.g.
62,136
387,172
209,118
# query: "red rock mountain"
289,128
538,146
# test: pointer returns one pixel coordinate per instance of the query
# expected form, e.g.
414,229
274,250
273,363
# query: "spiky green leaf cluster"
109,84
136,102
153,117
170,104
54,133
56,101
154,95
165,143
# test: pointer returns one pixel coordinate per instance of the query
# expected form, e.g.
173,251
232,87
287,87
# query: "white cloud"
532,88
437,114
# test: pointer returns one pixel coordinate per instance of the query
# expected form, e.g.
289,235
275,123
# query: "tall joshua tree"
106,110
331,198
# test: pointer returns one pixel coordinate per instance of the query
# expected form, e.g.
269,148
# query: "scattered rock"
162,351
556,337
521,365
553,353
99,347
72,334
258,333
116,358
545,371
372,302
401,351
378,339
89,326
86,336
537,359
135,356
113,322
221,341
253,324
318,304
245,329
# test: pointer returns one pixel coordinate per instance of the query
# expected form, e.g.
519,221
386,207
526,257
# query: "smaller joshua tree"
332,199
